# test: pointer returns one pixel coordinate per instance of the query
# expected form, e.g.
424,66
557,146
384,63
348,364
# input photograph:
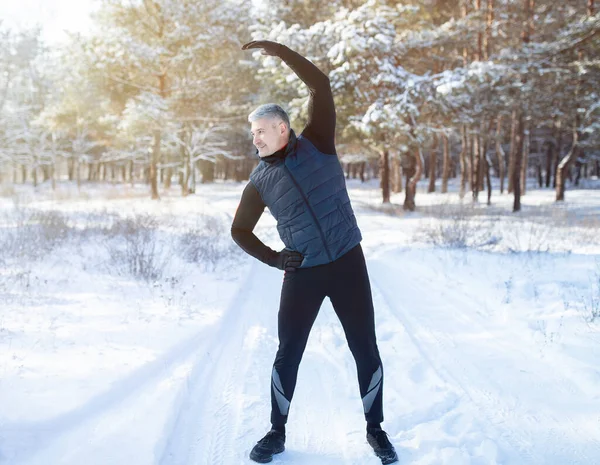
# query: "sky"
54,16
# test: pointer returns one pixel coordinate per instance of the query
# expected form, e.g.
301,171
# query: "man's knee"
289,356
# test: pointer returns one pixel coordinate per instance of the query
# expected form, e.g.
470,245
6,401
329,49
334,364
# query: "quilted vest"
306,193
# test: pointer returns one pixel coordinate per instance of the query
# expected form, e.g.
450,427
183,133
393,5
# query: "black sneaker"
378,440
272,443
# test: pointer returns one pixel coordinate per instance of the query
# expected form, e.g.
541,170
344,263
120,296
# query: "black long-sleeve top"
320,130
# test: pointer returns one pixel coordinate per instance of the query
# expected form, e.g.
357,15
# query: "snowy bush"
591,304
457,228
527,236
136,248
207,244
32,234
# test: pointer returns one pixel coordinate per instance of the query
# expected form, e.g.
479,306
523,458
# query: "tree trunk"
154,159
519,164
549,163
519,142
52,173
78,173
168,176
488,179
362,171
396,174
500,154
475,173
574,152
385,175
557,152
471,160
463,14
432,167
412,178
156,153
485,161
488,30
463,162
187,171
563,166
71,168
512,153
446,164
525,160
409,170
192,184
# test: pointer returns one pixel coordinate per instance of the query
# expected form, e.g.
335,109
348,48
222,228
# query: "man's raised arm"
320,128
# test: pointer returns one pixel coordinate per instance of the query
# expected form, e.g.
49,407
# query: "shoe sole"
266,459
386,461
385,458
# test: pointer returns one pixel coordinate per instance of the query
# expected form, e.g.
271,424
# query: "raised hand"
268,47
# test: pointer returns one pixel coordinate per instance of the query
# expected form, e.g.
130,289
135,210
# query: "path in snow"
458,390
530,412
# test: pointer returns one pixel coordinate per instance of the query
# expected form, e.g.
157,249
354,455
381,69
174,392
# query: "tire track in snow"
465,374
457,303
396,312
331,372
546,382
199,431
34,437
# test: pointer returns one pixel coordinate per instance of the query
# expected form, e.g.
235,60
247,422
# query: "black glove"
286,259
268,47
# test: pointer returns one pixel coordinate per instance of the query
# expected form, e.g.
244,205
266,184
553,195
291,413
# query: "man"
301,181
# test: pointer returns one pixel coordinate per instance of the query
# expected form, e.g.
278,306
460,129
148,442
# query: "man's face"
268,135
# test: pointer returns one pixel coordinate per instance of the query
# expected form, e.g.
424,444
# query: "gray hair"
270,110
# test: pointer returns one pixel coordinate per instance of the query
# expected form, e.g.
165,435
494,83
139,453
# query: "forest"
488,93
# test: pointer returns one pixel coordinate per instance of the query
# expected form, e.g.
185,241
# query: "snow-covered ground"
490,347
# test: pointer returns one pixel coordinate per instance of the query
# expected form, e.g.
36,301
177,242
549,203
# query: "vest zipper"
310,211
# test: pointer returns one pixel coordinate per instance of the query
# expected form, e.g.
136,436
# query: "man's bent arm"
247,215
320,128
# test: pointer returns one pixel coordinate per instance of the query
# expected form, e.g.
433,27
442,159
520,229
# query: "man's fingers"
295,263
255,44
292,260
248,45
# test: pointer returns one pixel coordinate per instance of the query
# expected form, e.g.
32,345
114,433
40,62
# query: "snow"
489,353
